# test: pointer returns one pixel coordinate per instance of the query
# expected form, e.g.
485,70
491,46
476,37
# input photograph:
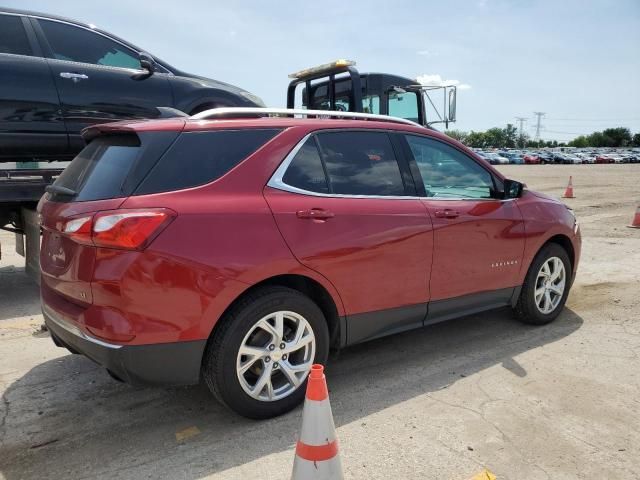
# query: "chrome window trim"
103,67
23,56
38,17
276,181
69,327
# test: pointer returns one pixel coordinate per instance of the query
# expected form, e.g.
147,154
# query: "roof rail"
240,112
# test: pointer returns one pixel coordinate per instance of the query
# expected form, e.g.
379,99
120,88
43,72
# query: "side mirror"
451,117
147,63
513,189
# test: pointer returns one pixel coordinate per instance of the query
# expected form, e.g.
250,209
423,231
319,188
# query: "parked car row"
568,156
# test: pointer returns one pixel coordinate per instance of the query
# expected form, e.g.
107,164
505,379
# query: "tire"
527,309
221,361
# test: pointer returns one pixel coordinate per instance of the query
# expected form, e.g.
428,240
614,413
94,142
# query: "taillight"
79,229
125,229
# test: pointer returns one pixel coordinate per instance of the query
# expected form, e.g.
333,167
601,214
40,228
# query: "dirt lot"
557,402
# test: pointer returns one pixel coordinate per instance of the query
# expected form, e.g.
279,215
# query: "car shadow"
19,294
67,418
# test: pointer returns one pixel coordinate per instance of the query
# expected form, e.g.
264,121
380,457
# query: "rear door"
98,78
30,122
347,209
478,237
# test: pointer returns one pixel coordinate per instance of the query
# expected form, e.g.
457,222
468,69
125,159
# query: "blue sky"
578,61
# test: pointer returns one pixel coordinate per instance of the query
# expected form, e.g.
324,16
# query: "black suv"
58,76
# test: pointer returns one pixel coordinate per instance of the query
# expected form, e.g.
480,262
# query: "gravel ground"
445,402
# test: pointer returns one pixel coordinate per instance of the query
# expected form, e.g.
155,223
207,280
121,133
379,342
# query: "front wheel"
546,286
258,359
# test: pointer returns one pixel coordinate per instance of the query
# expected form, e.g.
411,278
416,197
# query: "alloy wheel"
550,285
275,356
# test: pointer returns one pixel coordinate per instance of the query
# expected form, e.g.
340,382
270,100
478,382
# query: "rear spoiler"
174,124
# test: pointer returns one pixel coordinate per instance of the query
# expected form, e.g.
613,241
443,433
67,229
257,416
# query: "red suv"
239,251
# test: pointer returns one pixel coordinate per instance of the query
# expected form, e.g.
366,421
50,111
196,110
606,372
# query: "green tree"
636,140
597,139
581,142
458,135
617,137
476,139
510,135
495,137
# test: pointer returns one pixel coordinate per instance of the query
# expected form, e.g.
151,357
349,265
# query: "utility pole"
538,126
521,120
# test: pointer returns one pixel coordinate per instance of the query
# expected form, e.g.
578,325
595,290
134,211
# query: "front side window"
447,172
360,163
77,44
13,38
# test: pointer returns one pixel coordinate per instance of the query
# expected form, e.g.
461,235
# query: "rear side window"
361,163
306,170
197,158
99,170
13,38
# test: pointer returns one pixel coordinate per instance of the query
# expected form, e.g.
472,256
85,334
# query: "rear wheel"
546,286
258,359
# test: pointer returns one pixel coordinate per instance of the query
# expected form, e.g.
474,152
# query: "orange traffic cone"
636,219
317,454
568,193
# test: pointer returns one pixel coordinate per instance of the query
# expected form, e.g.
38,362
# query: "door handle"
315,214
76,77
446,213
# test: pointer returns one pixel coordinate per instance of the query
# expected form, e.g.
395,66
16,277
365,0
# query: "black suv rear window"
197,158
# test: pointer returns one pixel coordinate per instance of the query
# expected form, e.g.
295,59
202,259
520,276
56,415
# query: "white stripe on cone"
317,423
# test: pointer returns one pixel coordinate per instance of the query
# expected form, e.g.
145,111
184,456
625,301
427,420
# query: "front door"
99,80
345,211
478,237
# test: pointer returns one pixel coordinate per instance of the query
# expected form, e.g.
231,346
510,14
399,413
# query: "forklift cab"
339,86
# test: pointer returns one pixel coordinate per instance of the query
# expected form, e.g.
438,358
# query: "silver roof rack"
240,112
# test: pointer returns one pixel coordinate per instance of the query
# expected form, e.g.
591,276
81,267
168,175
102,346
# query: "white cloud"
436,80
425,53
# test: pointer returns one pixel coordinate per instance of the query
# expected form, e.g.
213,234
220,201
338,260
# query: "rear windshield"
99,170
197,158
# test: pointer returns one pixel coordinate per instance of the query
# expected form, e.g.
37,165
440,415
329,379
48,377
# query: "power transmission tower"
521,120
538,126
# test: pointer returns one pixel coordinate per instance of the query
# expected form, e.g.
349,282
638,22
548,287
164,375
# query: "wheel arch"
565,242
312,289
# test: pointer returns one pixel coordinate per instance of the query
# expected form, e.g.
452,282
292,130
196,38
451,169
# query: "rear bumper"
157,364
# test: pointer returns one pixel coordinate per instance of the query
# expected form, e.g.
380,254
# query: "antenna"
538,126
